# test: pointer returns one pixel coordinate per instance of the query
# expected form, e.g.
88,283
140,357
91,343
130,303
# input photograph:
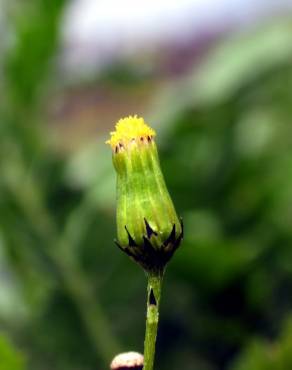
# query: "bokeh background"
215,81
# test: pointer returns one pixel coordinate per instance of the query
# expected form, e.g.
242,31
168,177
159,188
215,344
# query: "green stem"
153,300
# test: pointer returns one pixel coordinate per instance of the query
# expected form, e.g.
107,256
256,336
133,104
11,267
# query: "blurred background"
215,81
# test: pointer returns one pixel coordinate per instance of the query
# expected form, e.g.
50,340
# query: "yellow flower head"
129,129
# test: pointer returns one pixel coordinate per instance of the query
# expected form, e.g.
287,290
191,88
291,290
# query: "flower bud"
128,361
148,228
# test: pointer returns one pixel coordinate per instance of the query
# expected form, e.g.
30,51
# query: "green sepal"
148,228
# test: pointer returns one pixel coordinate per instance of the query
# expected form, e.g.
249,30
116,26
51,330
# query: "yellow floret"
129,128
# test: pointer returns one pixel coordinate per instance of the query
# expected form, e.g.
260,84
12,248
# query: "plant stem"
153,300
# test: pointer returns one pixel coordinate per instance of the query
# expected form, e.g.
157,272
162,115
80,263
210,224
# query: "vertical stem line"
152,317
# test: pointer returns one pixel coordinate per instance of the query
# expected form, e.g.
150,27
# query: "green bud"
148,228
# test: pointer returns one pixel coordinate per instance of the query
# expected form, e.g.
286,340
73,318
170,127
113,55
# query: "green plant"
148,228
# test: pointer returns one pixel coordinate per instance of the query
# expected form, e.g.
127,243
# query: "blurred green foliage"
9,357
266,355
69,299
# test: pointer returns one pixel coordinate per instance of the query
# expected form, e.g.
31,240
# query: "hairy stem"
153,300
